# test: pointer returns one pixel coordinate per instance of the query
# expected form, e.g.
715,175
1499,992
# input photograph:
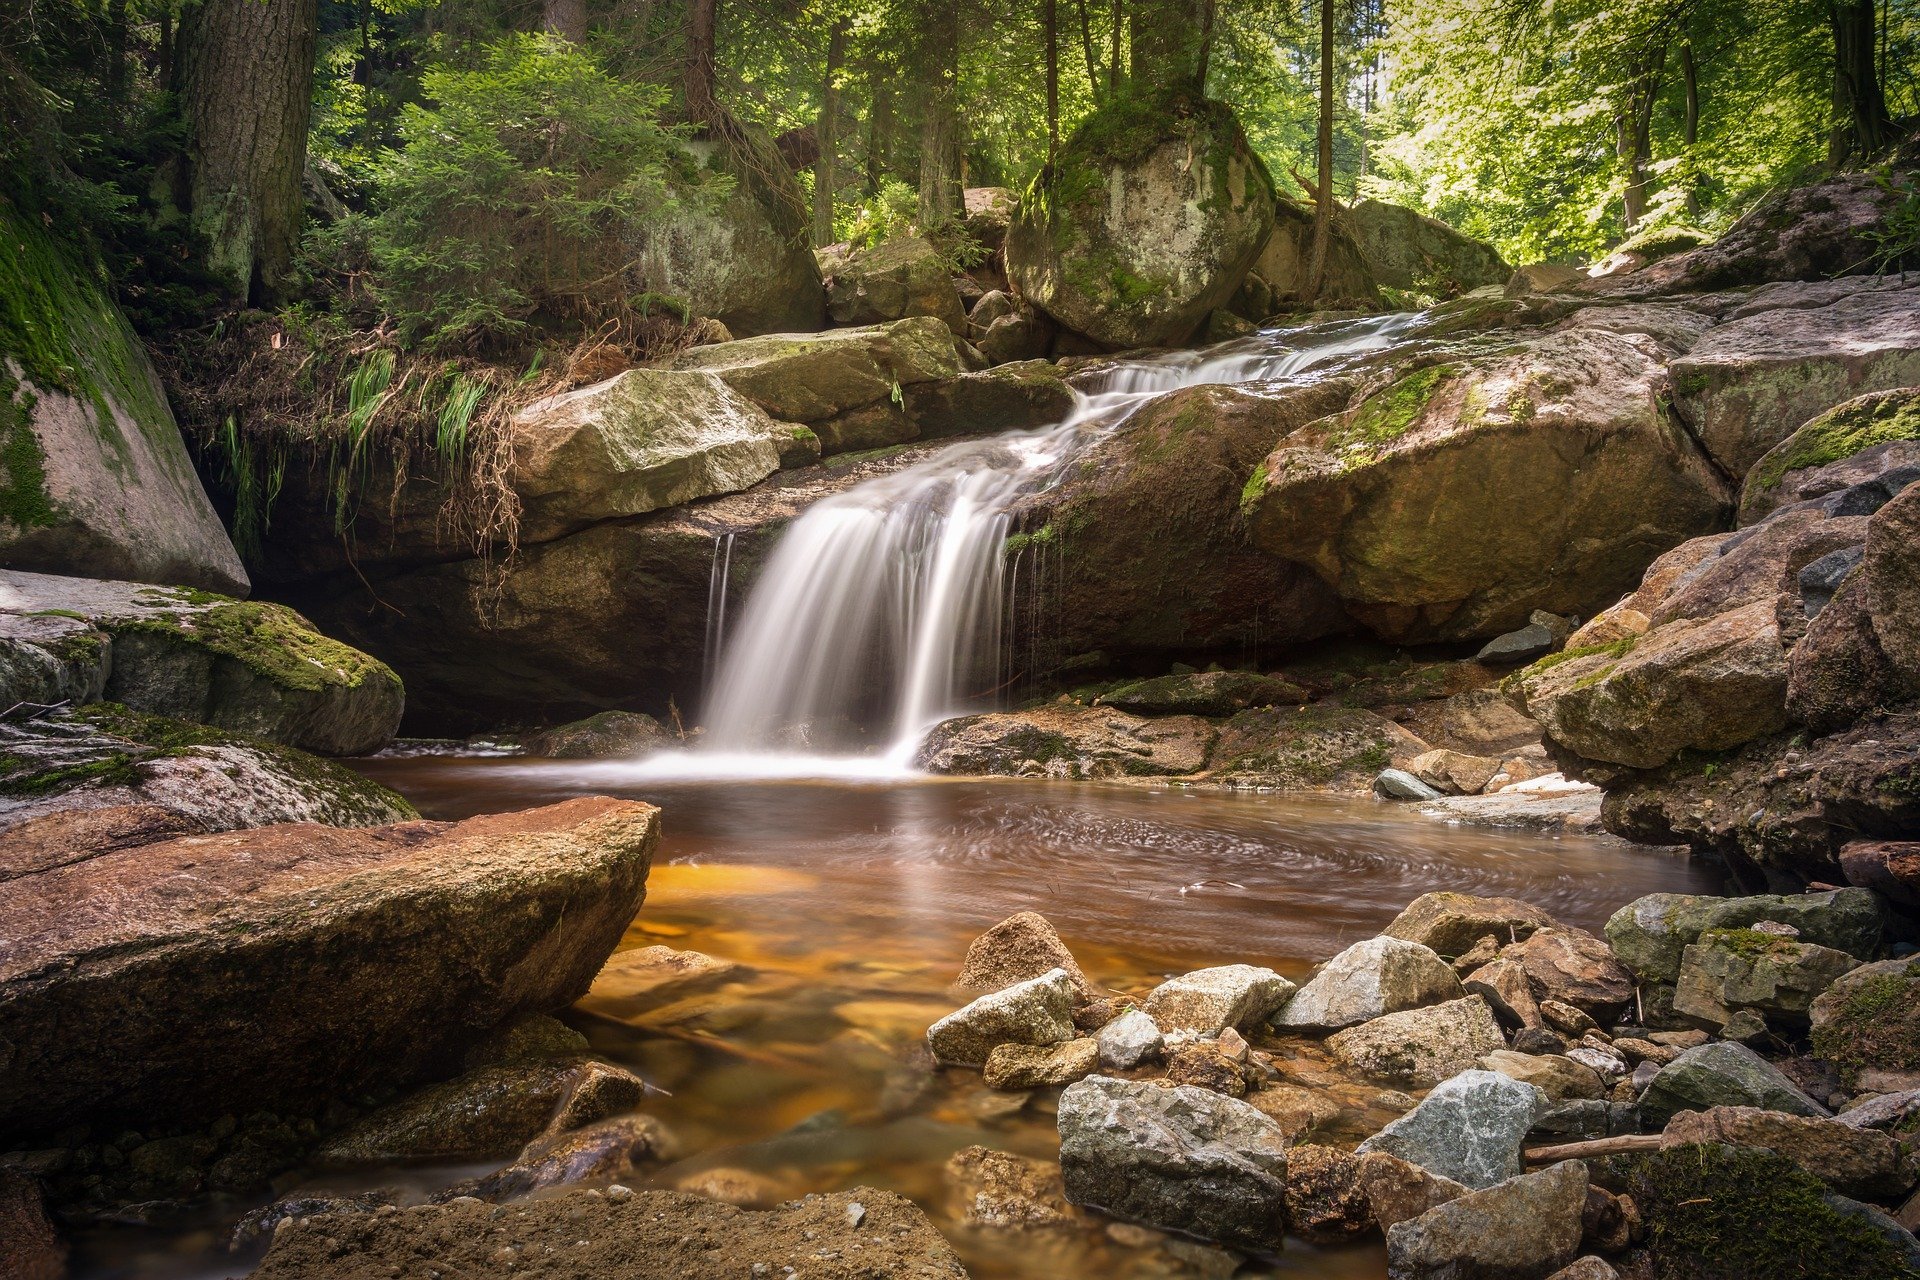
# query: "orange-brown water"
852,906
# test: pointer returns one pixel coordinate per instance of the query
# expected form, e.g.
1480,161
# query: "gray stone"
1883,1111
1468,1129
1819,580
1398,784
1180,1158
1451,923
1421,1046
1729,970
1525,1227
1650,934
1722,1074
1515,647
1211,1000
1369,980
1129,1040
1025,1066
1038,1011
1591,1267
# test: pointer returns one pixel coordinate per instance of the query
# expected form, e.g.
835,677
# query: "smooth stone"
1129,1040
1421,1046
1398,784
1722,1074
1038,1011
1468,1129
1208,1001
1369,980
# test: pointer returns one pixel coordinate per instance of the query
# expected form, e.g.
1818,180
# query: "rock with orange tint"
218,974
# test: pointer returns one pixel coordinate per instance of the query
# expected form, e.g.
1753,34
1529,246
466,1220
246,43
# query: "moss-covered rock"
1068,742
1284,265
1786,473
1311,748
1146,221
244,666
611,733
94,477
1407,250
1203,693
1870,1019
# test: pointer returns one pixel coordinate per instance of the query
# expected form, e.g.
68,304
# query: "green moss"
1660,242
1255,488
1877,1026
1842,432
1387,414
1744,1213
24,500
1748,944
269,639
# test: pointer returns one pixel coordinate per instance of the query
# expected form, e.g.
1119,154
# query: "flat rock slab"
863,1234
219,974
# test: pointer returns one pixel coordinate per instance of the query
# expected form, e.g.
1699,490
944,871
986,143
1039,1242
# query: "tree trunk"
248,90
117,50
696,74
1113,48
1323,197
1861,125
566,18
879,131
1169,44
829,135
940,199
1050,16
1633,133
1690,123
1086,48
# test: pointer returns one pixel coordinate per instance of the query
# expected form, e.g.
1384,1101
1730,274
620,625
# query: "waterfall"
881,609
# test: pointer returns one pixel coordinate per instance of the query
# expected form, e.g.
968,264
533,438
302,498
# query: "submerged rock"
130,971
1184,1159
560,1157
1526,1226
1369,979
1468,1129
1002,1190
1038,1011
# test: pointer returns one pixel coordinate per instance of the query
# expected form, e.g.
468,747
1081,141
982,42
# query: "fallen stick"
1593,1147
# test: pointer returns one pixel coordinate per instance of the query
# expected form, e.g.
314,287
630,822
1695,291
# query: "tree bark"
1861,124
1633,131
697,72
1050,16
247,91
1086,48
940,199
117,50
1690,122
566,18
828,132
879,130
1323,197
1113,48
1169,44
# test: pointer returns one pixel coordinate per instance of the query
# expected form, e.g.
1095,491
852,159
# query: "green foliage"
887,213
1896,243
520,195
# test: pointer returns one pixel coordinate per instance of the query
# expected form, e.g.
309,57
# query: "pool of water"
851,905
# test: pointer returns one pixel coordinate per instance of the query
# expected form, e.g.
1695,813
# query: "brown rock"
74,835
1326,1201
1862,1163
1397,1190
1200,1063
1559,1077
1454,772
1604,1226
1485,951
1000,1189
1576,968
124,976
30,1249
602,1152
1296,1110
658,973
1020,947
1587,1268
1025,1066
1566,1019
1890,868
1450,923
1503,984
1637,1050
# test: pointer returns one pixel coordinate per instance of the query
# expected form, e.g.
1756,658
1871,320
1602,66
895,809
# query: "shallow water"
853,904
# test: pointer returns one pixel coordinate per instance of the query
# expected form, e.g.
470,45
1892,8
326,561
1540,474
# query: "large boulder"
127,973
1862,651
1285,264
642,440
244,666
1408,250
1201,693
1020,395
846,1235
1729,970
1369,980
1753,380
1650,935
1722,1074
1469,1129
747,261
1870,1018
845,384
1145,222
94,477
1182,1158
1858,441
1456,498
1526,1226
901,277
1066,741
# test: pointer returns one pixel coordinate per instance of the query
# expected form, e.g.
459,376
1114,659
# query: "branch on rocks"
1621,1145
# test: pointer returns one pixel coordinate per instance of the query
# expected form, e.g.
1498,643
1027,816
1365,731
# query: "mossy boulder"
627,734
302,961
1729,970
1884,426
1456,496
94,476
1067,741
1145,222
1311,748
1202,693
1406,249
1870,1019
748,261
900,277
244,666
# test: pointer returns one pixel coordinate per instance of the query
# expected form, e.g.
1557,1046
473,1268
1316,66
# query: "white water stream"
884,605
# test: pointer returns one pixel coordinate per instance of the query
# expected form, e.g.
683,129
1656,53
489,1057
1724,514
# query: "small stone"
856,1214
1636,1050
1516,647
1587,1268
1600,1057
1485,951
1398,784
1538,1040
1208,1001
1018,949
1038,1011
1561,1079
1745,1027
1326,1200
1566,1019
1503,985
1368,980
1681,1040
1203,1066
1023,1066
1233,1046
1397,1189
1003,1190
1722,1074
1129,1040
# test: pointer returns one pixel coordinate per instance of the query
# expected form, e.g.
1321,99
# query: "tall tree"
1169,48
1050,17
1633,128
1861,124
247,95
828,133
696,74
1323,191
565,18
940,199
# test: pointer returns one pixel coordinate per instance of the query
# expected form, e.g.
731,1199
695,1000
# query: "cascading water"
884,605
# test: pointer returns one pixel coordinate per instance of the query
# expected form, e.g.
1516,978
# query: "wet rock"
1399,784
1397,1189
1023,1066
656,974
1296,1110
117,1009
1202,693
487,1114
1068,742
677,1234
1129,1040
1001,1190
1870,1018
1453,772
1560,1078
1184,1159
240,665
1468,1129
1421,1046
899,277
1574,968
1312,748
1038,1011
1370,979
1729,970
1651,934
611,1149
1450,923
1017,396
743,1187
1204,1066
1862,1163
30,1248
611,734
1326,1200
1722,1074
1503,985
1526,1226
1208,1001
1019,948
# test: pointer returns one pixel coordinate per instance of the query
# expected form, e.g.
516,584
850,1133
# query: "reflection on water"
852,905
